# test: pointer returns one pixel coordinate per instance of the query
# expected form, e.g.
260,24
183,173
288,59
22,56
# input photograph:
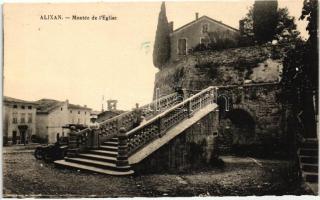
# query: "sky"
82,60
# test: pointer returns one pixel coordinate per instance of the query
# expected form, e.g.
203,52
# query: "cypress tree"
265,19
161,49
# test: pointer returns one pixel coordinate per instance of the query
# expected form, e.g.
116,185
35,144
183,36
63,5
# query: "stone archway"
236,130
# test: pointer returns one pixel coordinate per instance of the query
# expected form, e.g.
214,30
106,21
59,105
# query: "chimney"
197,15
170,27
85,106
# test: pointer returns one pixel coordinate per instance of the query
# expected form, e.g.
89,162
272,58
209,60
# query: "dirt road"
25,176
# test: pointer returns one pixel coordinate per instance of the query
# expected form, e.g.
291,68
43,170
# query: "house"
19,121
108,114
53,116
111,112
203,30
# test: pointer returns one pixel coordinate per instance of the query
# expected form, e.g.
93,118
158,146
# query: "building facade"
203,30
19,121
54,116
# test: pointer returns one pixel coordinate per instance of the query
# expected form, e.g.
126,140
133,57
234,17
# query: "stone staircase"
309,163
119,144
102,160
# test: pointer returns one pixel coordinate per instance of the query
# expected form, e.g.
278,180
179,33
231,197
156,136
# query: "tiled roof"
218,22
46,105
14,100
73,106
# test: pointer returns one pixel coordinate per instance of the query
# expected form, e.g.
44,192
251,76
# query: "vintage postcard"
160,99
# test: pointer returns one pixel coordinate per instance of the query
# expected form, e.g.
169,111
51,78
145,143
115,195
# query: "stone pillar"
122,158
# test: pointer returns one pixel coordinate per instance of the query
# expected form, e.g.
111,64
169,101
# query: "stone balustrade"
92,137
158,126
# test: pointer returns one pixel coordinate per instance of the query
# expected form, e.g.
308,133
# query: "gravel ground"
23,175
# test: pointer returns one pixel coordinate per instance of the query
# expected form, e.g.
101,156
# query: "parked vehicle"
52,152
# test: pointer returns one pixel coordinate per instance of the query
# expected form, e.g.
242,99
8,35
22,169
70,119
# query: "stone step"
104,152
309,159
308,152
115,139
73,165
98,157
108,148
310,167
99,164
112,144
310,177
313,145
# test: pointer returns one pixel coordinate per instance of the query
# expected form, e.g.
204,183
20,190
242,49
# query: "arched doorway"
224,105
236,130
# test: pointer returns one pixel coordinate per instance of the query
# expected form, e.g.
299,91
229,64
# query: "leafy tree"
286,29
310,12
300,75
246,24
265,18
161,49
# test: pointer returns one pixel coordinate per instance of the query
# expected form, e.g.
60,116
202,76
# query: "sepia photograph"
160,99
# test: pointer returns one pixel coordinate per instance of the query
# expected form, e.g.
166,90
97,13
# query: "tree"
246,24
265,18
310,12
311,68
161,49
286,29
300,75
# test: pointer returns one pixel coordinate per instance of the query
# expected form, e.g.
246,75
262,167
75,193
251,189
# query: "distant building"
19,120
111,112
202,30
108,114
53,116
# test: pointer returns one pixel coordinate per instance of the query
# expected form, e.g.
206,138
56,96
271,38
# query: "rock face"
254,117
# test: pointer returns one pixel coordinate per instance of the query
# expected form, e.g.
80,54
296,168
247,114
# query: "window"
78,121
61,109
14,118
85,113
29,107
70,111
23,118
205,28
182,46
22,107
29,117
15,106
78,112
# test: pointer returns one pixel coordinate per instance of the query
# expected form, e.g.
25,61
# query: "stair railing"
156,127
109,128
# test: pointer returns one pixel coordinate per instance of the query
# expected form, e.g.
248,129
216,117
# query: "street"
23,175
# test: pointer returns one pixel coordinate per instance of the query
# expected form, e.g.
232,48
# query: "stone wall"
242,68
256,64
259,102
193,148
